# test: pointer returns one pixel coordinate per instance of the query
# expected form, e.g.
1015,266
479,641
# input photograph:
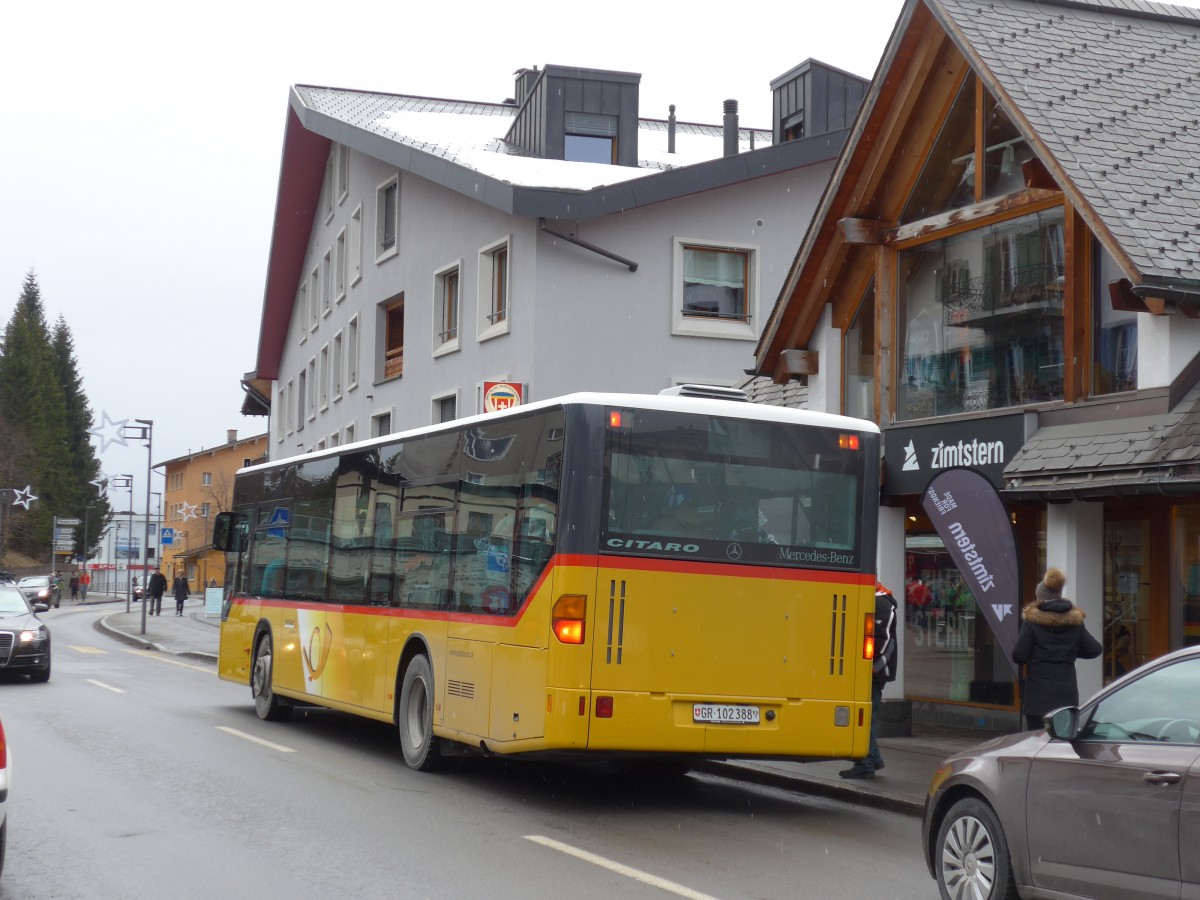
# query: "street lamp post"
125,483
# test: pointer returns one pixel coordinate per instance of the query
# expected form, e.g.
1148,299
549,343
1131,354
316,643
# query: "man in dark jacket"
156,585
1052,637
884,670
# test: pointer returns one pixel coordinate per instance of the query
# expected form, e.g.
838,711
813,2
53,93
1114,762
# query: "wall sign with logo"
501,395
914,455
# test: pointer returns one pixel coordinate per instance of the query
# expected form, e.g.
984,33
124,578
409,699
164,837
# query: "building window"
356,243
323,377
381,424
589,148
327,185
1114,332
206,479
446,287
387,217
349,434
339,281
980,319
859,360
301,408
333,439
495,289
327,283
393,338
284,418
343,172
312,388
314,299
301,314
445,409
335,367
352,354
714,289
287,408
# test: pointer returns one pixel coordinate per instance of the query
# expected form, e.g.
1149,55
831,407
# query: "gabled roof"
460,145
1107,93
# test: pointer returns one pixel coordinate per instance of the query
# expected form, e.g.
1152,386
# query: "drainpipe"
671,130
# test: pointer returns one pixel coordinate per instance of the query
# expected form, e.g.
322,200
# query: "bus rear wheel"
266,704
414,717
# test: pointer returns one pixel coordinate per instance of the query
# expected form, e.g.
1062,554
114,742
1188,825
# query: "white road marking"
620,869
164,658
83,649
107,687
253,739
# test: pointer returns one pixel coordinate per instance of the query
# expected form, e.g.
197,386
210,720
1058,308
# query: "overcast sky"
141,147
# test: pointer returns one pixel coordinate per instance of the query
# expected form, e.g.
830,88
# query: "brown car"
1104,802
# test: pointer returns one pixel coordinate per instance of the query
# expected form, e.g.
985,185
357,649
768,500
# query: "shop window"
1185,590
947,180
981,319
1006,152
860,360
1114,332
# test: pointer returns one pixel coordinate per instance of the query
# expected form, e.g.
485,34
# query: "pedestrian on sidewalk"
73,584
1051,638
180,587
85,581
156,586
883,671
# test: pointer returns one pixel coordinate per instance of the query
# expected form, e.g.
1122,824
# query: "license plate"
724,714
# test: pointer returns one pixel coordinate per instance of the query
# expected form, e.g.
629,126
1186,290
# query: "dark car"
1103,802
41,589
24,639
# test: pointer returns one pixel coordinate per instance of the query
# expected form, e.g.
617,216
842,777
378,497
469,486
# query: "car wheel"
414,717
971,856
266,704
41,676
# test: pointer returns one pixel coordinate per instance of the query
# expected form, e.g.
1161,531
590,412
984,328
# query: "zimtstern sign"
914,455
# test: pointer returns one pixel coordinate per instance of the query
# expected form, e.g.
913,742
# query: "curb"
818,787
125,637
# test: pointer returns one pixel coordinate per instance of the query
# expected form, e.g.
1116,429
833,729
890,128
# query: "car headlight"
43,593
28,636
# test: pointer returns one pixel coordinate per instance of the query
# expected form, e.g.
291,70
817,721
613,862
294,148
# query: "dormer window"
590,138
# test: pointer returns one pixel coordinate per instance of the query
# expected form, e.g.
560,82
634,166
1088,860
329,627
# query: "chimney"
731,128
671,130
231,436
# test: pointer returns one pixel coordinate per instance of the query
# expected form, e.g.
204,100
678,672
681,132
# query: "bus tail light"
848,441
604,707
869,636
567,618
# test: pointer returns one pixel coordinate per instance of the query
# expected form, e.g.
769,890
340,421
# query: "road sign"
69,522
64,546
64,534
166,536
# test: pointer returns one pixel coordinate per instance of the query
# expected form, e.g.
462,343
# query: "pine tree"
35,406
83,497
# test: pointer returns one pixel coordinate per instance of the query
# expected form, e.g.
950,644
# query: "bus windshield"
732,490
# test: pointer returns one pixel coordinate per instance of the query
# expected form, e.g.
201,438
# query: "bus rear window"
726,489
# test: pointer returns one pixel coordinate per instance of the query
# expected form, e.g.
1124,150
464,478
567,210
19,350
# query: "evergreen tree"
35,406
83,499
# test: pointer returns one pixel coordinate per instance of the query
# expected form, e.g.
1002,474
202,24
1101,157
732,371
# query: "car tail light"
567,618
869,636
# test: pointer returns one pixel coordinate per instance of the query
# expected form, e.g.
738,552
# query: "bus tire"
266,704
414,717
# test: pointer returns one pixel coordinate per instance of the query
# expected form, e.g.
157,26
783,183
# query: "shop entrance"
1127,578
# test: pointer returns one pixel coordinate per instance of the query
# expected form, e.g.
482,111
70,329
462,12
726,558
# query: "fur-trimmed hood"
1060,614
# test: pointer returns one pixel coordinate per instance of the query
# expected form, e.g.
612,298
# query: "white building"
554,242
127,551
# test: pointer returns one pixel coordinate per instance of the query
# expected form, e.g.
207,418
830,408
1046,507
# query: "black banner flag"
971,520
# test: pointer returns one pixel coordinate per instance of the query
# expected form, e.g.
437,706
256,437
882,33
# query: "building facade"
198,486
1004,272
435,258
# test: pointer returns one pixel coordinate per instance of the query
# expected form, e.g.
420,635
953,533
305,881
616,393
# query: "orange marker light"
567,618
869,636
848,441
614,418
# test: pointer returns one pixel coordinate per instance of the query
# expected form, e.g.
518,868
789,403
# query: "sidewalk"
900,787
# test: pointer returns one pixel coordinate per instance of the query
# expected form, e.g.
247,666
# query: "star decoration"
23,498
187,511
109,432
99,483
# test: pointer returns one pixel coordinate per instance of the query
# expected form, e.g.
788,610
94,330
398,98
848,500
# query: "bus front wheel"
266,704
414,717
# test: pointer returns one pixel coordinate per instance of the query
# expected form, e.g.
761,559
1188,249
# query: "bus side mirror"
229,532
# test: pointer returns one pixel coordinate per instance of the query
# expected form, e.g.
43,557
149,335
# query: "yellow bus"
646,577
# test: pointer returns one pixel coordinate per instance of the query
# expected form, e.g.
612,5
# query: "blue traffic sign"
167,535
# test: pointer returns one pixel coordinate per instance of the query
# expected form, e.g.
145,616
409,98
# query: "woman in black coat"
1052,637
